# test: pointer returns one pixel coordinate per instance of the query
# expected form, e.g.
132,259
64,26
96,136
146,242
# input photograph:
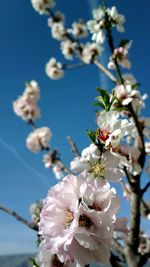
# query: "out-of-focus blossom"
38,139
98,24
121,55
117,20
125,93
79,29
68,48
54,69
58,31
35,210
58,17
129,79
26,104
90,52
42,6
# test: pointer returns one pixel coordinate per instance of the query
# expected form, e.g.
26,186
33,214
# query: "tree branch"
105,71
145,188
19,218
73,145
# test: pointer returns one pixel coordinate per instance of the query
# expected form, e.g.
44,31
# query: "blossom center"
98,168
55,262
96,207
103,134
84,221
68,217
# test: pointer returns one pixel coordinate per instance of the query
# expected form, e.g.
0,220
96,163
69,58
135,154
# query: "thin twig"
19,218
64,168
145,188
118,247
73,145
105,71
74,66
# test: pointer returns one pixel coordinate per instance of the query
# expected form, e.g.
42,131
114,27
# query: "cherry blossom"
25,106
42,6
54,69
38,139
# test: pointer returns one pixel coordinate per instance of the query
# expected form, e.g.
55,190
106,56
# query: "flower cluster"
38,139
78,220
42,6
26,105
98,25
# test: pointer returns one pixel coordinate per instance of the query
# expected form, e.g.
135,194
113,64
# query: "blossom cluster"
77,222
26,105
78,219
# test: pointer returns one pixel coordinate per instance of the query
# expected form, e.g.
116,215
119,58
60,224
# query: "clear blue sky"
25,47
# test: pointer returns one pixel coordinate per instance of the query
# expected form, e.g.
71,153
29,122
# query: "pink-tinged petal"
120,225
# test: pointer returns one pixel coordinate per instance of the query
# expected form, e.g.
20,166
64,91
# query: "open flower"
38,139
103,166
112,128
78,220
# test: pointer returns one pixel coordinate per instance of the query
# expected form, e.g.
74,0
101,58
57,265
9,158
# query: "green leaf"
100,104
104,98
136,85
124,42
33,262
92,135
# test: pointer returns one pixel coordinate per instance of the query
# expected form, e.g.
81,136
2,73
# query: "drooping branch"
19,218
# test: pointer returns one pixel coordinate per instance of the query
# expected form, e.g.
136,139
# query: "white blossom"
90,52
25,106
58,31
97,165
68,48
79,29
112,128
41,6
118,20
54,69
38,139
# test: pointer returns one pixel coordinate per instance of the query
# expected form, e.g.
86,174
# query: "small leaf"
124,42
134,86
92,135
33,262
100,104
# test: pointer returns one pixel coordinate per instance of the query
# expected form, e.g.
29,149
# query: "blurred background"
66,105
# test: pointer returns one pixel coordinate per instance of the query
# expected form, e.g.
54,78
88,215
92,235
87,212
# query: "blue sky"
25,47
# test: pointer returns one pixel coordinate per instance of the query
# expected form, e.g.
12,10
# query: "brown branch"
64,168
117,247
73,145
19,218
